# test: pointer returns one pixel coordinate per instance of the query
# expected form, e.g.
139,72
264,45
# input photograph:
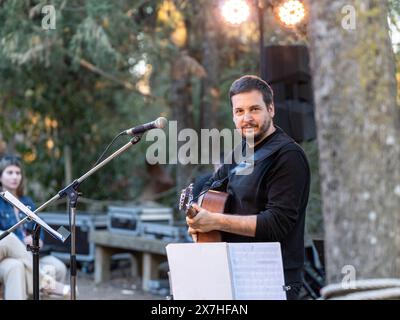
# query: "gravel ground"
118,288
122,286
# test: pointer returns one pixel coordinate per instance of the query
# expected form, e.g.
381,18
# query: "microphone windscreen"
161,122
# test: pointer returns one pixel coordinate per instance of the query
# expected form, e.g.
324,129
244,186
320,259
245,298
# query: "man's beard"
261,134
263,129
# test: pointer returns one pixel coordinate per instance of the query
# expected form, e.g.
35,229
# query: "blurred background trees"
65,93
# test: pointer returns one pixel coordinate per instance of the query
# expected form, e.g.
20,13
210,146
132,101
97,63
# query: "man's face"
251,116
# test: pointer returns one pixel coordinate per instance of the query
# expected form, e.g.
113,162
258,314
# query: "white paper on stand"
8,196
199,272
257,271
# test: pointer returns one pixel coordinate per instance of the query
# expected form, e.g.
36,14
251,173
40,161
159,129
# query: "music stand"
61,234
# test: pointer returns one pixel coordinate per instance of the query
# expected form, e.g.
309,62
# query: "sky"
395,35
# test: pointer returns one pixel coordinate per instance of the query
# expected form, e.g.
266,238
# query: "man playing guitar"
269,204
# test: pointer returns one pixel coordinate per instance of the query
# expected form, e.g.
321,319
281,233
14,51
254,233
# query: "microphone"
159,123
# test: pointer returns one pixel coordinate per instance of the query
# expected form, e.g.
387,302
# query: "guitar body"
213,201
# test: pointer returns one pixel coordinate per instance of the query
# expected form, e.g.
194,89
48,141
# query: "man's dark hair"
249,83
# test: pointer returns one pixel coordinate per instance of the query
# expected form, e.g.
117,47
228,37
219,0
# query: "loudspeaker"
296,119
289,64
287,71
297,91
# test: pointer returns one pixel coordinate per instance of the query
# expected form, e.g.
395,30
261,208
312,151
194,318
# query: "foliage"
73,86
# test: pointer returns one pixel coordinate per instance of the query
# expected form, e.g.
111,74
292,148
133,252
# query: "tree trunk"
359,138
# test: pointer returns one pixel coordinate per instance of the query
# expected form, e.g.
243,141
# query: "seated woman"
16,272
15,260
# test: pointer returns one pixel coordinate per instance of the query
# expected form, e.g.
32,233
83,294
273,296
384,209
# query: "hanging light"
291,12
235,11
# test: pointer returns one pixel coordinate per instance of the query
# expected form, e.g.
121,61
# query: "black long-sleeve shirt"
277,192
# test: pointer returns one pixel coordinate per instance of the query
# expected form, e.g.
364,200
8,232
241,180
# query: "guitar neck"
191,213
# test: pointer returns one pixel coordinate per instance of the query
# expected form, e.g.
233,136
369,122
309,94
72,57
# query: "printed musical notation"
256,271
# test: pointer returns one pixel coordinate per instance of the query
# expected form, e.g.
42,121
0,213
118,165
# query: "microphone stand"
71,191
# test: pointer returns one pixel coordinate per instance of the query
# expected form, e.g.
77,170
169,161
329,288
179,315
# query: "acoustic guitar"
213,201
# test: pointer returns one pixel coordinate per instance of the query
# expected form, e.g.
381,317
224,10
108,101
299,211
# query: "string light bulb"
291,12
235,11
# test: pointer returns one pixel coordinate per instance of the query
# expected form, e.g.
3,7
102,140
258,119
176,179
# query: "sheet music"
19,205
199,271
256,270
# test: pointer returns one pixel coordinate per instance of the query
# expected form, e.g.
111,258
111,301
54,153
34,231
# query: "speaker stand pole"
260,13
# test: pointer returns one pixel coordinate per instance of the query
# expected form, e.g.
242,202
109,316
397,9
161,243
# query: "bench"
151,252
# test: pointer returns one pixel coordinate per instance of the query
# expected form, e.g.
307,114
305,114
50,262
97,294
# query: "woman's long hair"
10,160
